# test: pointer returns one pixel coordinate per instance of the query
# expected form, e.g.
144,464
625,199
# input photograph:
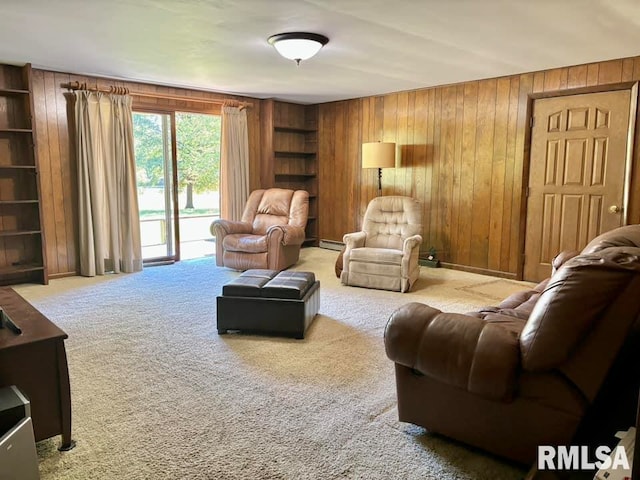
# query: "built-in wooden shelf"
293,153
17,167
11,202
13,91
16,233
23,257
289,174
23,267
15,130
290,152
282,128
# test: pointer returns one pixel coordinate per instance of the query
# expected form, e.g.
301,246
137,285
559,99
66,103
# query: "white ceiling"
375,46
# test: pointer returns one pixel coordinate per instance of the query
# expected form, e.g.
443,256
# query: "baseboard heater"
331,245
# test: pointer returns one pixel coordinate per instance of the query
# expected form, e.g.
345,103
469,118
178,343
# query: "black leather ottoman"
269,302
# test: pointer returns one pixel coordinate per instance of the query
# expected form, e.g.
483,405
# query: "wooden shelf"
22,243
15,233
15,130
25,267
309,175
282,128
17,167
290,153
18,202
13,91
293,153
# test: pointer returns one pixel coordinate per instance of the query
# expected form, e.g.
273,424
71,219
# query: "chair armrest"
354,240
458,350
351,241
221,228
410,253
561,258
227,227
410,243
291,235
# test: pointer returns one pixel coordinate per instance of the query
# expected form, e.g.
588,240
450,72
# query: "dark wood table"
36,362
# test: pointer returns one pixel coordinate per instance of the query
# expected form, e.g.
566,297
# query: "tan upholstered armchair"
270,234
384,254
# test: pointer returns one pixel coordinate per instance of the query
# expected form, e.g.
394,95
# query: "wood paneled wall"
462,151
56,151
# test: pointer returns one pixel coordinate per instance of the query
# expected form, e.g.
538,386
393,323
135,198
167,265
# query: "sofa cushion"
387,256
523,302
245,243
375,269
510,323
276,201
262,222
628,236
249,283
390,219
293,285
259,272
573,300
458,350
244,287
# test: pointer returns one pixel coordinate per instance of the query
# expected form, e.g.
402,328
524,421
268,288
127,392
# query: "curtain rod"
125,91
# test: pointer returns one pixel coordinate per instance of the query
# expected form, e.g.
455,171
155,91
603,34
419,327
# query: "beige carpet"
157,394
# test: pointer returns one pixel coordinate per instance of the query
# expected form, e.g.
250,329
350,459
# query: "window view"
197,171
198,142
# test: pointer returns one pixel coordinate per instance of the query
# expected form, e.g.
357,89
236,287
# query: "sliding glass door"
178,171
198,154
153,133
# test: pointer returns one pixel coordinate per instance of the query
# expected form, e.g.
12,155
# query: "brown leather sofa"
270,233
510,378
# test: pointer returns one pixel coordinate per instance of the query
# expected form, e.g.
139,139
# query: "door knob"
614,209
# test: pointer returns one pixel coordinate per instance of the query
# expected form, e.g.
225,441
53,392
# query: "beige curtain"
234,163
108,200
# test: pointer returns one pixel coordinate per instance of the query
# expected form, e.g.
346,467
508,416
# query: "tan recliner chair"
270,233
530,370
384,255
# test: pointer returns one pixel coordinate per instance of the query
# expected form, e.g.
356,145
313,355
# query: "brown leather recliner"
270,233
510,378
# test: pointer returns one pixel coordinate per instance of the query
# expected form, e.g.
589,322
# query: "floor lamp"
379,155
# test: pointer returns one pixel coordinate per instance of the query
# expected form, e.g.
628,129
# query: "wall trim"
53,276
481,271
331,245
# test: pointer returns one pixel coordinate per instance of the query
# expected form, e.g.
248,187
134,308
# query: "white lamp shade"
378,155
298,45
297,49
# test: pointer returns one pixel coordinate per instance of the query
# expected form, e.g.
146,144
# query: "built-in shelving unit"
22,254
290,153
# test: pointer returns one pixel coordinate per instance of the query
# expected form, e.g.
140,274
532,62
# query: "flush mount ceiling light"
298,46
